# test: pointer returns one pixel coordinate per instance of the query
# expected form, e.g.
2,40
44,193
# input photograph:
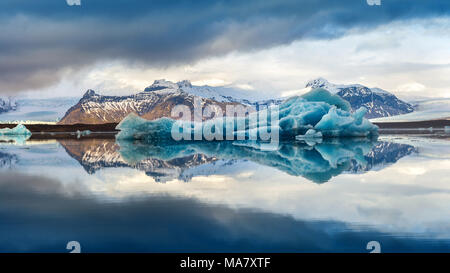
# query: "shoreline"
45,131
59,128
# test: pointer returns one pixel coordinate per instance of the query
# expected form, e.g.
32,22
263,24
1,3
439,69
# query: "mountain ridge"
7,104
156,101
378,102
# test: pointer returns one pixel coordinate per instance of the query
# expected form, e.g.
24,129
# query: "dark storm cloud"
42,40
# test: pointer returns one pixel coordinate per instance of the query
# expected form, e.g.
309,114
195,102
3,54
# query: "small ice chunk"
83,133
19,130
447,129
311,133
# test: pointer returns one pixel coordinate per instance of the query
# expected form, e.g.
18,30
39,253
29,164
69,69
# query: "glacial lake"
334,196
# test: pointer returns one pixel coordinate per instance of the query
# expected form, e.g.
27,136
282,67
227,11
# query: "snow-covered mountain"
155,101
43,110
378,102
7,104
158,100
425,109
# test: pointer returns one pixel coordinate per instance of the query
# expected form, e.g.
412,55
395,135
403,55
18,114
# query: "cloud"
41,41
411,87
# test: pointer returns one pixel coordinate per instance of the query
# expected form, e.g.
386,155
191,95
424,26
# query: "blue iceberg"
316,113
19,130
19,134
135,127
321,94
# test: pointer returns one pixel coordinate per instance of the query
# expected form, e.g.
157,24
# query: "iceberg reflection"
318,162
16,139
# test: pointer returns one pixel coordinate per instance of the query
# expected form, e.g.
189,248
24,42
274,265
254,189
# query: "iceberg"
321,94
19,134
19,130
82,133
135,127
318,110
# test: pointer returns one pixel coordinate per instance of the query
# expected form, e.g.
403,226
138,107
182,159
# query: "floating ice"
447,129
18,134
319,110
83,133
311,137
321,94
19,130
134,127
311,133
339,123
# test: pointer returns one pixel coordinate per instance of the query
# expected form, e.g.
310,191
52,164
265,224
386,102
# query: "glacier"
318,110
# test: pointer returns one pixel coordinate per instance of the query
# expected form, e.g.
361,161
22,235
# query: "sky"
49,48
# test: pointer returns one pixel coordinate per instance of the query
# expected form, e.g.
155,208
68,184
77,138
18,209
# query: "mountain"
378,102
154,102
30,109
425,109
7,105
162,96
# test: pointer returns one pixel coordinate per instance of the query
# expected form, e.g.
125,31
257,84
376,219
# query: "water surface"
333,196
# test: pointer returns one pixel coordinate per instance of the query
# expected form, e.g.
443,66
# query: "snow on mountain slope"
335,88
378,102
49,110
7,104
219,93
323,83
424,110
155,101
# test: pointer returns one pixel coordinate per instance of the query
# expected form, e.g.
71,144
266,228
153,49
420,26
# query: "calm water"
334,196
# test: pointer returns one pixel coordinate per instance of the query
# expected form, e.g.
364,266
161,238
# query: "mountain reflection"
180,160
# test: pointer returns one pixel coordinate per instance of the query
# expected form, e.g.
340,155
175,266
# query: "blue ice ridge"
316,113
